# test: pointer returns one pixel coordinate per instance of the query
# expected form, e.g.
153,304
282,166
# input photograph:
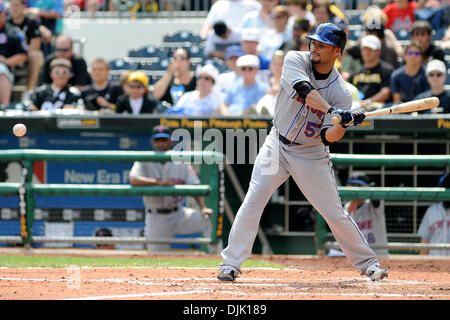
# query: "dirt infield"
302,278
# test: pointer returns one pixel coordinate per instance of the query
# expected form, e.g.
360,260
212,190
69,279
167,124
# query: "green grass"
63,262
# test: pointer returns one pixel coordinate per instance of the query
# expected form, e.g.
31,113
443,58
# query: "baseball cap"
233,51
371,42
358,178
444,181
436,65
161,132
248,60
140,77
60,62
250,34
210,70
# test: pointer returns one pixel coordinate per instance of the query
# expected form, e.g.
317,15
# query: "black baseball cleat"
227,275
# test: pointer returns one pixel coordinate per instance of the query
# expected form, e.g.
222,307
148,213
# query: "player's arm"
424,251
146,181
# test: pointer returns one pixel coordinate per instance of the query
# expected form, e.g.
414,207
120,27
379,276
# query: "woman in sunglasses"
409,80
59,94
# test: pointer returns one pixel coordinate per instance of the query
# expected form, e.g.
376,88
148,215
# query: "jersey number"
311,127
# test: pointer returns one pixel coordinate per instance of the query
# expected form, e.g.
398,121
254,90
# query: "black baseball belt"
287,141
164,211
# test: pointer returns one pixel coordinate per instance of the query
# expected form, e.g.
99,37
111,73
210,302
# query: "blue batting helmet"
329,33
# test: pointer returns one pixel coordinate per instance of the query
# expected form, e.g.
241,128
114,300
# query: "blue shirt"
408,86
240,98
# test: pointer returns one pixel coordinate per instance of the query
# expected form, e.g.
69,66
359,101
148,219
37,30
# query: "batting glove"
358,117
345,116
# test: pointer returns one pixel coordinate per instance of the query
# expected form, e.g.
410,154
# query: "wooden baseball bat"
411,106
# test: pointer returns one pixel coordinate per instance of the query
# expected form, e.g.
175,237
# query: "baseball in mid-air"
19,129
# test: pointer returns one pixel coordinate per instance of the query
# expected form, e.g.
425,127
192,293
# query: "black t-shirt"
111,92
177,90
80,76
371,81
29,27
149,104
444,99
45,98
11,42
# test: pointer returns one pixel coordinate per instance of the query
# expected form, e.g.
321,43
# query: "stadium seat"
403,35
354,34
154,65
123,64
355,20
182,36
437,35
149,52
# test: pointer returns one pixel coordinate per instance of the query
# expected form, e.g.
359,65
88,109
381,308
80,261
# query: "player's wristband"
331,110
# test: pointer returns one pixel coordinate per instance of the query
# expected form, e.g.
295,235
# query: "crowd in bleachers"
396,51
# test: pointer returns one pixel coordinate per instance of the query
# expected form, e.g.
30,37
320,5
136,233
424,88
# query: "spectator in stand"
227,79
178,79
204,100
12,53
50,13
29,27
400,15
247,92
435,225
436,76
421,33
64,49
261,19
249,44
58,94
327,12
298,42
274,38
373,79
137,100
375,18
220,39
101,95
229,11
266,105
409,80
298,10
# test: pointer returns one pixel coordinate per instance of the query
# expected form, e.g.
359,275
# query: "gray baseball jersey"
435,227
372,223
308,164
297,121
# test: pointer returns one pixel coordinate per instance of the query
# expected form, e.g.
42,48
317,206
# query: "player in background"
368,215
311,92
435,225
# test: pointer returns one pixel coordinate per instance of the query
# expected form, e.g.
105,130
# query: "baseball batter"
311,91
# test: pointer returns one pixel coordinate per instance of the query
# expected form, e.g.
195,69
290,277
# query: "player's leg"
316,180
268,174
159,226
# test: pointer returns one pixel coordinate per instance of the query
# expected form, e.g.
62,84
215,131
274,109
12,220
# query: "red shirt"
400,19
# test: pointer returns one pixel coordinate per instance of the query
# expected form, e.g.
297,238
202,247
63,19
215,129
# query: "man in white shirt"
219,39
229,11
